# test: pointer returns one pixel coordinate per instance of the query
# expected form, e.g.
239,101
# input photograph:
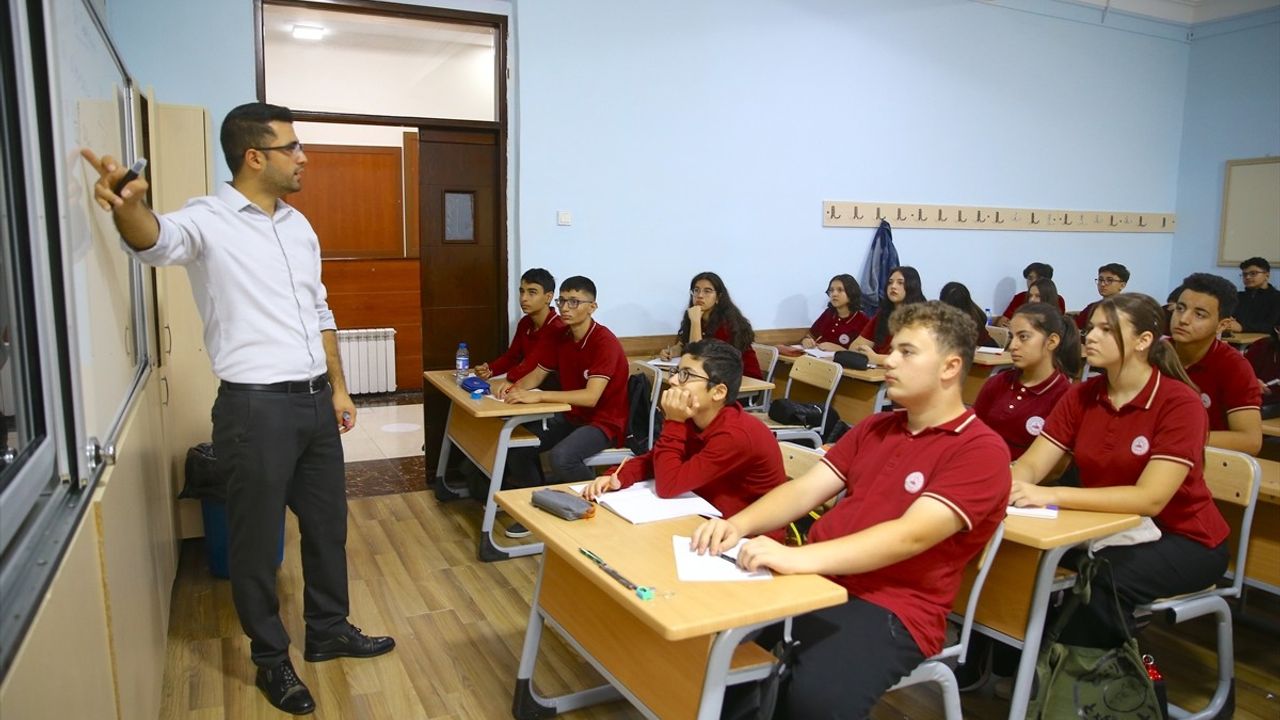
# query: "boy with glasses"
1111,280
593,371
1258,305
709,445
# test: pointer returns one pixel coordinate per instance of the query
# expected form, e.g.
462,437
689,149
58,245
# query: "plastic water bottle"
461,363
988,312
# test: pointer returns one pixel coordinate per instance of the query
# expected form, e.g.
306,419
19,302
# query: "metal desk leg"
1035,628
443,492
717,677
489,551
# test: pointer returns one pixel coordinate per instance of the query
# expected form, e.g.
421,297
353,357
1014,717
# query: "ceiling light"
308,32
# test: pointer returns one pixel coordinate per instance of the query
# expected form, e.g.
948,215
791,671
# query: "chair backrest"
767,355
1234,477
654,382
797,459
820,375
984,560
999,334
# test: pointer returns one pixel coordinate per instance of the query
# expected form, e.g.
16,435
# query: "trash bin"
204,484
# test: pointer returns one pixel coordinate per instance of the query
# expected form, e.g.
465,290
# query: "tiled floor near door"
384,450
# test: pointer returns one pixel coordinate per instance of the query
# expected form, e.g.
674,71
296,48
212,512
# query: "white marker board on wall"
1250,212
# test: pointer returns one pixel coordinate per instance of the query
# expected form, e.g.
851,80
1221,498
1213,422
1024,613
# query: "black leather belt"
311,387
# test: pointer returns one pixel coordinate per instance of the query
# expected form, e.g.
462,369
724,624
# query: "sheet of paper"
640,504
820,354
578,488
989,350
1048,513
692,567
664,364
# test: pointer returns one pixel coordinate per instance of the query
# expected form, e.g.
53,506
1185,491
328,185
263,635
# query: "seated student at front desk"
712,313
926,488
1046,354
1228,388
539,327
709,445
1111,280
876,339
593,372
1137,435
1031,273
841,321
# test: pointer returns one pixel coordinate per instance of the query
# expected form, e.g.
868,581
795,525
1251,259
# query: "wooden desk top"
1243,338
992,359
642,554
484,407
1071,527
872,375
1271,426
1269,488
749,384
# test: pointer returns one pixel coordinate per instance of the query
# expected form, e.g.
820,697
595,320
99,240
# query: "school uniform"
1086,315
1021,299
522,356
1264,356
869,332
750,363
1016,412
896,615
731,464
1227,383
1111,447
1258,310
830,327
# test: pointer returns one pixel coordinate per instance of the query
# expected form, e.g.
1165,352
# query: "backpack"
639,401
808,415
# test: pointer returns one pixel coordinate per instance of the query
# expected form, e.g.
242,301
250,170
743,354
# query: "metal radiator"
368,359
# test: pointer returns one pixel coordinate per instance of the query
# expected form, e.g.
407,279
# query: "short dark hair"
722,362
1216,286
1256,262
580,284
248,126
1042,270
538,276
1116,269
951,327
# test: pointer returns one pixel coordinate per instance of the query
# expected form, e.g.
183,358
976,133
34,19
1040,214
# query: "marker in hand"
134,171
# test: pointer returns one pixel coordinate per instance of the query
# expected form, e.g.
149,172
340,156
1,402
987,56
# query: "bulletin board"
1250,212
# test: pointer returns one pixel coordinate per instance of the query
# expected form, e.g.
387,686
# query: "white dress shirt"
256,281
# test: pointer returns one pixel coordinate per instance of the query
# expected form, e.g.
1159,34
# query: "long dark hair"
724,313
851,288
957,296
1048,319
911,281
1146,315
1048,290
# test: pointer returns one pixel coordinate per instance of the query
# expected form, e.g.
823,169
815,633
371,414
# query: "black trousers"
282,450
566,445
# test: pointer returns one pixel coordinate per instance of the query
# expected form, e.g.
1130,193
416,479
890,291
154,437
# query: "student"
1111,280
1264,356
1137,435
957,296
1228,388
539,326
1045,291
1046,354
711,313
1258,308
926,488
709,445
876,340
841,322
593,372
1031,273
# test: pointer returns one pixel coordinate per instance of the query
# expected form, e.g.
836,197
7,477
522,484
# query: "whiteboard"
1250,212
92,106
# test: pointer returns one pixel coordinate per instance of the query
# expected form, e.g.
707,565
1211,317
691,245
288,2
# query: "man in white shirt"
254,264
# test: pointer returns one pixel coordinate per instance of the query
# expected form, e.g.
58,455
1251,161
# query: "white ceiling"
1183,12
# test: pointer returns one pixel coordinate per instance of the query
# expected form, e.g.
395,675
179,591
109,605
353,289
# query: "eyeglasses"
696,292
684,375
571,303
1252,273
294,148
1107,280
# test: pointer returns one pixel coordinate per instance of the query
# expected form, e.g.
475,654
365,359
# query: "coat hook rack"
942,217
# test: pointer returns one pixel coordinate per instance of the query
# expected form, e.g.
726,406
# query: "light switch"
564,217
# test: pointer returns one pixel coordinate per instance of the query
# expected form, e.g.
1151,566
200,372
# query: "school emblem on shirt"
914,482
1035,424
844,338
1140,445
586,374
1205,400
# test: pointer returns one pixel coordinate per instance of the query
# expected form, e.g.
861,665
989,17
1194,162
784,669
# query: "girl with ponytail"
1137,434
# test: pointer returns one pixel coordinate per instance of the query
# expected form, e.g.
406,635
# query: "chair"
796,461
1000,335
811,380
767,356
935,669
1232,477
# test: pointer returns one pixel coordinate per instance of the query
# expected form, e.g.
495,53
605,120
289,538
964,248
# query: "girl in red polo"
712,314
1137,433
841,322
875,340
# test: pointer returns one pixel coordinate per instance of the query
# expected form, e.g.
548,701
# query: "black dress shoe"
351,643
284,690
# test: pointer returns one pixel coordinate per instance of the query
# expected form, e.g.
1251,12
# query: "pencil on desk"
619,468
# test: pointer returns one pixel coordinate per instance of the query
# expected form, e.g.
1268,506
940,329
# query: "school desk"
1262,568
671,656
1243,339
485,430
1271,426
983,367
859,394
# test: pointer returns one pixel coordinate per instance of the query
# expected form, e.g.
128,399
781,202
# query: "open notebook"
640,504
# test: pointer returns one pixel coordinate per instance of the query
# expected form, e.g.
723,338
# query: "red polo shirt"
523,354
750,363
885,468
1083,318
1021,299
1227,383
1017,412
599,354
732,463
869,332
1112,446
1264,356
830,327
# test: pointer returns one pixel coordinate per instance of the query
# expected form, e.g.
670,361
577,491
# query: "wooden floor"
459,625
